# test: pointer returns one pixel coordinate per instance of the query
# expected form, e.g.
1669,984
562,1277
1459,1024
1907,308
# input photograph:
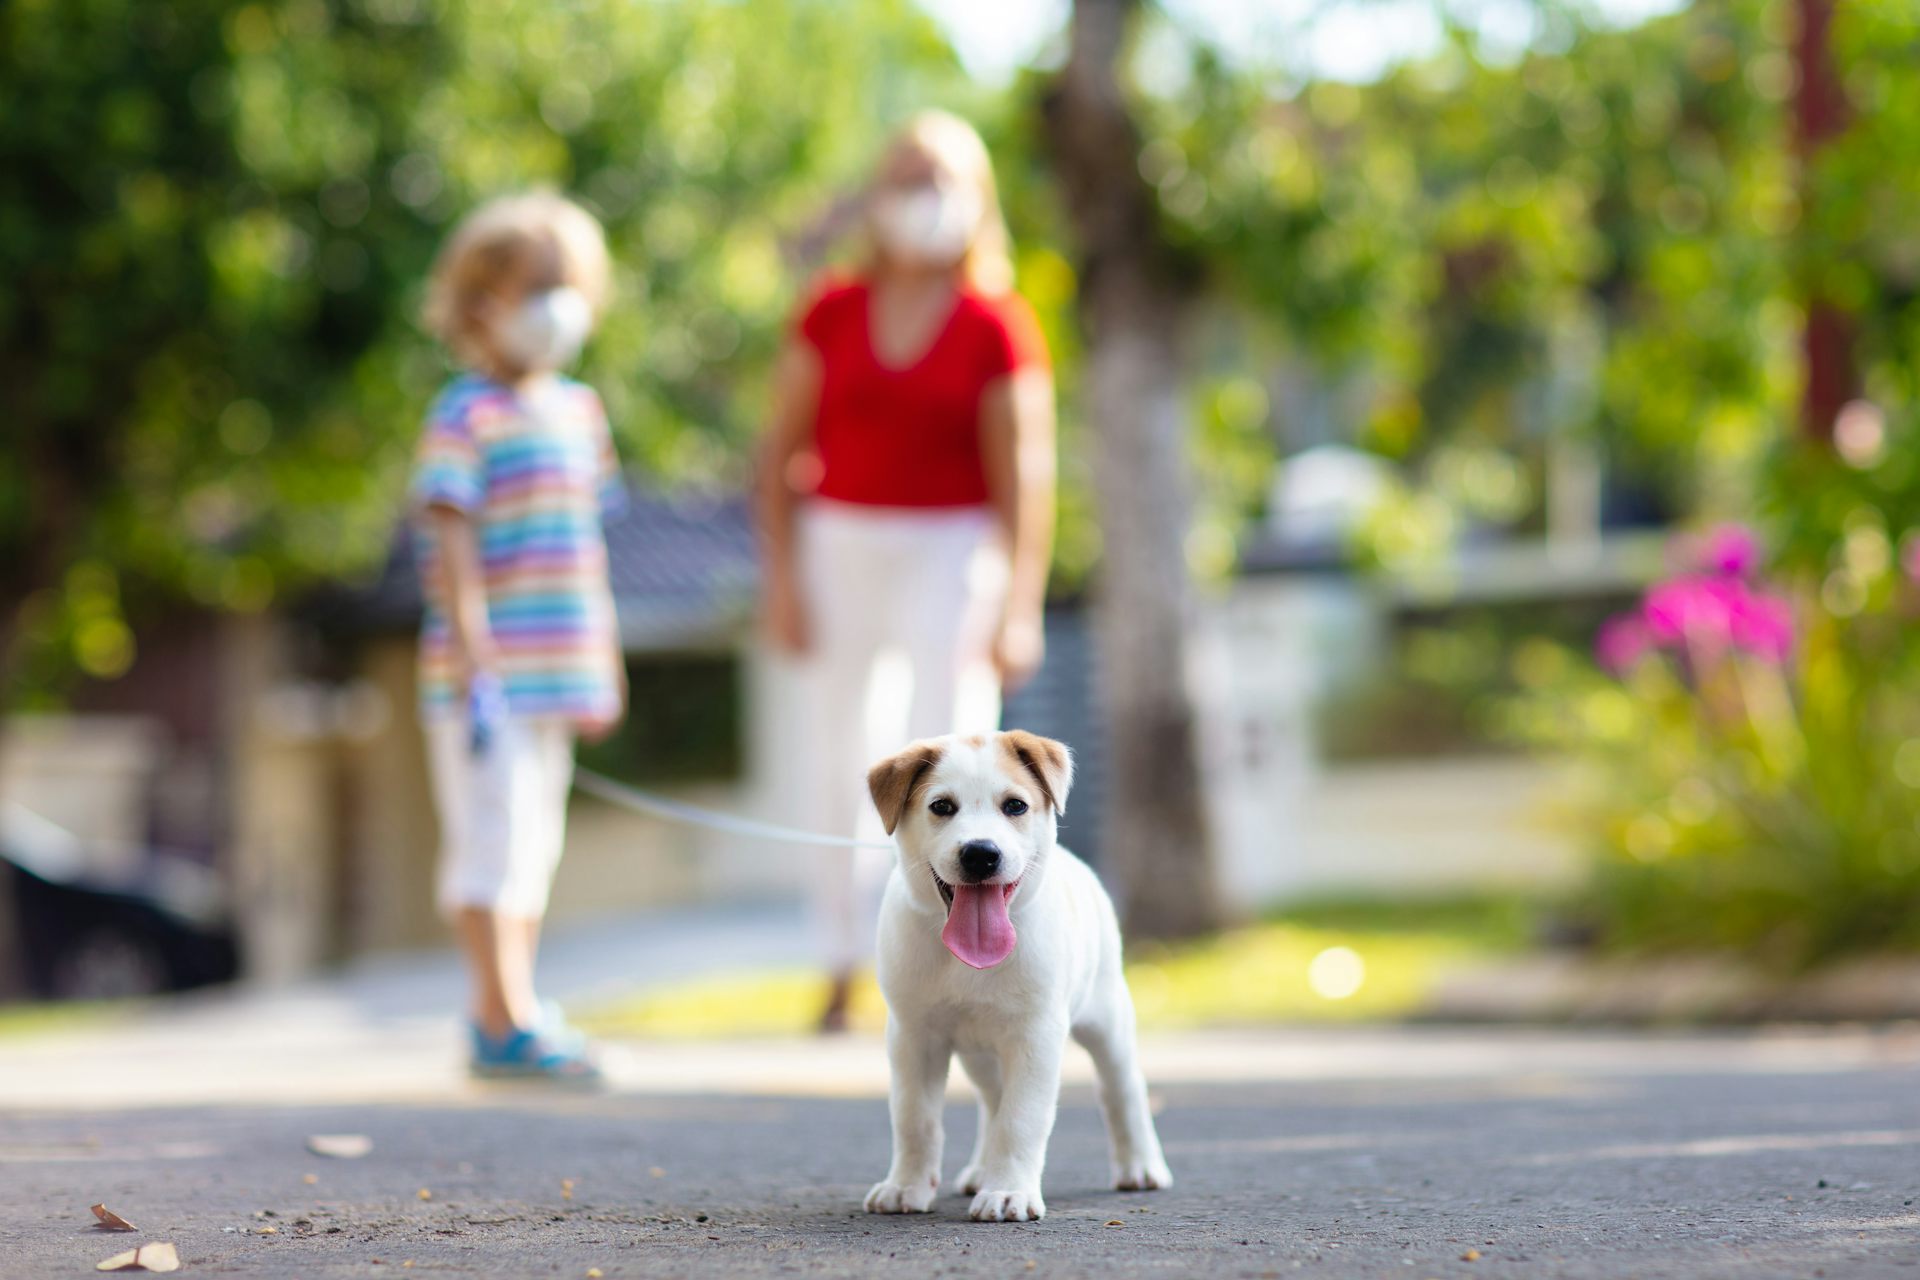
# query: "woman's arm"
1017,438
466,602
796,394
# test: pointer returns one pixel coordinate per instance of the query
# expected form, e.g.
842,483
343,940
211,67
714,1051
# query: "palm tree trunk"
1133,295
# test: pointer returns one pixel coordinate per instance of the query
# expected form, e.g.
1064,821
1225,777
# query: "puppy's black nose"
979,859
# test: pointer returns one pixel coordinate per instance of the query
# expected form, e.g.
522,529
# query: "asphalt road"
1728,1168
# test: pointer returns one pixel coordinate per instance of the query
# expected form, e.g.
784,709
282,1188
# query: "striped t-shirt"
534,469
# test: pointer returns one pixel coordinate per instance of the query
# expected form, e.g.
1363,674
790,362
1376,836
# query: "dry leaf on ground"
111,1221
159,1256
341,1146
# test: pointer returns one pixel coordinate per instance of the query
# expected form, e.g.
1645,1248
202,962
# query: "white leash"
596,784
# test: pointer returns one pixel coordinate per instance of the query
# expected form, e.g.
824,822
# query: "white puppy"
997,944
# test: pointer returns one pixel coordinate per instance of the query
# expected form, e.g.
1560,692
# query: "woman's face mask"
546,331
926,224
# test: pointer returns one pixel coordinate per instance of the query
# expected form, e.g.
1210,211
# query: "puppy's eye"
943,808
1013,806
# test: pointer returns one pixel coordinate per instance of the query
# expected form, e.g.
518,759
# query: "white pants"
503,814
902,604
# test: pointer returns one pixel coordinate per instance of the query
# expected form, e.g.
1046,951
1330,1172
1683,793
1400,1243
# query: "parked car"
77,934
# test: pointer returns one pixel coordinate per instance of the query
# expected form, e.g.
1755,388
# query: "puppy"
997,944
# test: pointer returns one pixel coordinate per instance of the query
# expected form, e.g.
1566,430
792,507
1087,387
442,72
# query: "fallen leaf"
566,1188
268,1231
425,1194
148,1257
1471,1255
111,1221
310,1178
593,1273
1115,1222
340,1146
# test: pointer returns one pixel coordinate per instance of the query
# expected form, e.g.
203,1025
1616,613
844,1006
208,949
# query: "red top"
910,437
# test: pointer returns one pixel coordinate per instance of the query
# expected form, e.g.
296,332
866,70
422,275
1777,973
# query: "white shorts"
503,814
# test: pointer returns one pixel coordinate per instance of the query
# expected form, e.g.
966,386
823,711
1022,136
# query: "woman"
906,492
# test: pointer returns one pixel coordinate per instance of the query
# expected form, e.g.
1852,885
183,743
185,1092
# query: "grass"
1322,962
34,1018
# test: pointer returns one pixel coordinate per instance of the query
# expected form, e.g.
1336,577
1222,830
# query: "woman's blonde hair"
508,234
957,147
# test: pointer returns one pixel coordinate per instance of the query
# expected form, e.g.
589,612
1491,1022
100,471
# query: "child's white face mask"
926,224
547,330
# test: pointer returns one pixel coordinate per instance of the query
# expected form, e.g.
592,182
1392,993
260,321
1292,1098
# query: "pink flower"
1763,625
1621,644
1731,551
1713,614
1691,612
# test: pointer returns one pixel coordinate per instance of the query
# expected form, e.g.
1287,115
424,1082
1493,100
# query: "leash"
693,815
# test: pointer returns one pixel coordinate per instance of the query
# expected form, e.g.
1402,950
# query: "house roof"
683,568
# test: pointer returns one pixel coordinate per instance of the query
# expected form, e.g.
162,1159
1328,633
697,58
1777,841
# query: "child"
519,652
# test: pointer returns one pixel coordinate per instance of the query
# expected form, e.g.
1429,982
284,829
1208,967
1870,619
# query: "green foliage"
215,219
1457,261
1743,804
1859,244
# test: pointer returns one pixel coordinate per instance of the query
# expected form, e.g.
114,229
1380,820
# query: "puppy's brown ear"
1049,763
892,782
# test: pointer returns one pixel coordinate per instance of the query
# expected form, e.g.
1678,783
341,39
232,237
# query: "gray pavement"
1366,1153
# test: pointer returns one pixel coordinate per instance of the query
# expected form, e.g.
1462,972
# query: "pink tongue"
978,930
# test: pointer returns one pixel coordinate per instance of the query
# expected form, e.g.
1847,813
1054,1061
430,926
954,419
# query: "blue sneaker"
532,1055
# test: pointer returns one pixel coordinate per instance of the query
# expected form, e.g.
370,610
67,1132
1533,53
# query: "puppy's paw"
1008,1206
891,1197
972,1179
1142,1175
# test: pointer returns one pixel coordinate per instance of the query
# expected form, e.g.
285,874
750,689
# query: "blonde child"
519,651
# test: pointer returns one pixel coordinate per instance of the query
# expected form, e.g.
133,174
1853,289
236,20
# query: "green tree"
218,216
1433,238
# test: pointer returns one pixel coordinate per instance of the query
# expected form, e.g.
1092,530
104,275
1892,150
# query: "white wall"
89,774
1287,825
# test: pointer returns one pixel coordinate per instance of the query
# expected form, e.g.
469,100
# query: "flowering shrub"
1753,755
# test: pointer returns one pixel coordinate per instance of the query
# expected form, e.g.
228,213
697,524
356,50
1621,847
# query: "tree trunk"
1133,292
1820,113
